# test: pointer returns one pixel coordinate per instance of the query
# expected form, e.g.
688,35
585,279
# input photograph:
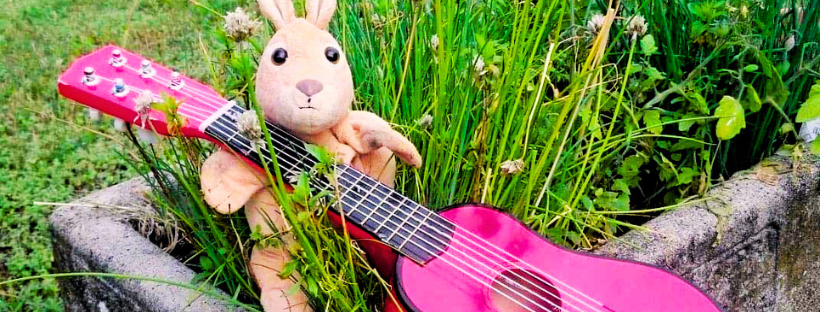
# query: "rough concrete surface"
753,244
92,236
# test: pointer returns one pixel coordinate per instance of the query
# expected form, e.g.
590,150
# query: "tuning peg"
117,60
93,114
176,81
119,90
89,79
119,124
147,136
146,70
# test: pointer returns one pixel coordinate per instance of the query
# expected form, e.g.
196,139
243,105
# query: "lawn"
51,151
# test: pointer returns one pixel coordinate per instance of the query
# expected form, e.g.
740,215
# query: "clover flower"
479,65
248,124
512,166
434,41
789,44
637,27
595,24
425,121
142,104
239,26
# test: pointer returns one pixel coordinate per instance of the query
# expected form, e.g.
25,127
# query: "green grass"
602,129
50,151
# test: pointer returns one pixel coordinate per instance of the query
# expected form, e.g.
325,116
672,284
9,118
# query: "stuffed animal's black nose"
309,86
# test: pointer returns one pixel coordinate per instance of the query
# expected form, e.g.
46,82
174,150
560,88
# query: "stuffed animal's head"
303,82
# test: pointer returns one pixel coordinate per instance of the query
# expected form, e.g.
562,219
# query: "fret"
410,236
399,227
390,215
364,221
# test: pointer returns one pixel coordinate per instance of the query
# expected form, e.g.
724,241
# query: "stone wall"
753,244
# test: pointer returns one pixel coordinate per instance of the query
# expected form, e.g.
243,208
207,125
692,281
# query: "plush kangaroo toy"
303,84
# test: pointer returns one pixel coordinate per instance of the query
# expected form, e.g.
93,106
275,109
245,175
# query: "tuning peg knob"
89,78
146,70
117,60
176,81
119,124
119,90
93,114
147,136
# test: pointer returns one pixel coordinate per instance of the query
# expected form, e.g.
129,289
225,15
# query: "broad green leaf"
751,68
631,166
686,144
648,46
731,116
751,100
815,147
811,108
652,119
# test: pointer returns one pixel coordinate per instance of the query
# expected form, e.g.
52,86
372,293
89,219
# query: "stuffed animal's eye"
279,56
332,55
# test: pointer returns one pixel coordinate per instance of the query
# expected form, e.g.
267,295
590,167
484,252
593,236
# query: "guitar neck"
372,206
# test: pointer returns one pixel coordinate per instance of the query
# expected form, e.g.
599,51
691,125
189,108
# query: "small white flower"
434,41
789,45
637,27
479,65
594,25
239,26
512,166
377,20
142,104
248,124
425,121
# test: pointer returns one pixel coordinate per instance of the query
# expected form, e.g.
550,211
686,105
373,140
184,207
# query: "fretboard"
394,219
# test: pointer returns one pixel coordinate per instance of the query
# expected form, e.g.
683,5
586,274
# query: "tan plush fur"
311,96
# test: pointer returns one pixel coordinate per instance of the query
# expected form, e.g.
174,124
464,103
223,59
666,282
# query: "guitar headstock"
125,85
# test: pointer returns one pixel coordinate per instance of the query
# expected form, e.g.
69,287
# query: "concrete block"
100,239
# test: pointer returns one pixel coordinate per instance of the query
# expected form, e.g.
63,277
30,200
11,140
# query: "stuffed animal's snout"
309,87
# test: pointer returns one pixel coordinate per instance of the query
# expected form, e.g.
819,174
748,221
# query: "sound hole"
519,290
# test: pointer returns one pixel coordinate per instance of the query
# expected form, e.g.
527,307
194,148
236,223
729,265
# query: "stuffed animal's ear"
319,12
280,12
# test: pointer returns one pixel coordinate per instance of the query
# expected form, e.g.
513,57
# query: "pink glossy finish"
583,282
198,100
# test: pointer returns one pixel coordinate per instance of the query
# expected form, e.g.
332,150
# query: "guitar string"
420,246
475,244
218,102
454,232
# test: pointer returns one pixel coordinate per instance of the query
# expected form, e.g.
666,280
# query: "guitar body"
566,280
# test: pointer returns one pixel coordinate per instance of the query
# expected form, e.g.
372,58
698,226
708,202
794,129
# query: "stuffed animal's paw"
366,132
227,182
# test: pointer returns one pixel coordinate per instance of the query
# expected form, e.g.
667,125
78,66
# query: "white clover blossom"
248,124
434,41
425,121
595,24
142,104
637,27
479,65
512,166
239,25
789,44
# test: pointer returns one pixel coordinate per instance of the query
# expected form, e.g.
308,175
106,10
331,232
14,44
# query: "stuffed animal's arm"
366,132
228,182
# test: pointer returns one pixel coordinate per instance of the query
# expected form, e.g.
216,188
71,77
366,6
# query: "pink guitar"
466,258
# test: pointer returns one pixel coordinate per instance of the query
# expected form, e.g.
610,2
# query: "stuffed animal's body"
303,84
